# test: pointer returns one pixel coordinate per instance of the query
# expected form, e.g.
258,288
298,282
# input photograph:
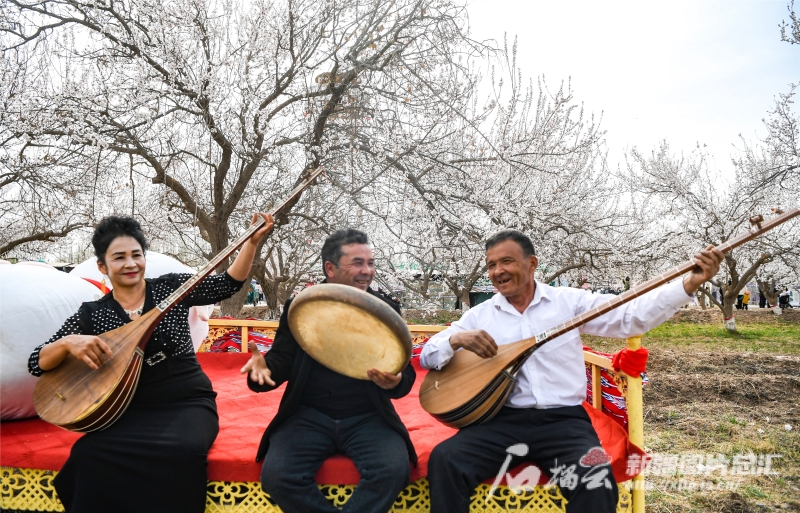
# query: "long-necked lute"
75,397
471,390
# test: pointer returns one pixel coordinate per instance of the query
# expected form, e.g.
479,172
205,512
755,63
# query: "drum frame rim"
361,300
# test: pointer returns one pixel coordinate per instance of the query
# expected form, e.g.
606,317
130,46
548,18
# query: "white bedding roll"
35,300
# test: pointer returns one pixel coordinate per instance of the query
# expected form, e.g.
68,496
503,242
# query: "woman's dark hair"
332,248
111,227
517,236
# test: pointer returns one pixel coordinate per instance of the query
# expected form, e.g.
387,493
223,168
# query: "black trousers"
555,439
153,459
300,445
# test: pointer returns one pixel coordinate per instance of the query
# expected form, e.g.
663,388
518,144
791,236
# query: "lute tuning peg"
756,221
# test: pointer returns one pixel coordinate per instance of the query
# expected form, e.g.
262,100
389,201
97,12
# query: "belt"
156,358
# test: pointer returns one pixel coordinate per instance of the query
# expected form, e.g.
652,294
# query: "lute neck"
656,282
192,282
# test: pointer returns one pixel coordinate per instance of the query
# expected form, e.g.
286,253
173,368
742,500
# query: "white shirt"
555,374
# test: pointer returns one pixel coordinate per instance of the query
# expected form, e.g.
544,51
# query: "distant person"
746,299
251,294
762,300
626,284
259,293
783,299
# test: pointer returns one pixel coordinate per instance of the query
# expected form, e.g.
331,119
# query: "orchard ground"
713,393
714,396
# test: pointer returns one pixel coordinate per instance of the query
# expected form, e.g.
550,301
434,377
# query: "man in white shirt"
543,412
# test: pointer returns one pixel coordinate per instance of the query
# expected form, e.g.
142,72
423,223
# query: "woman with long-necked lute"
153,458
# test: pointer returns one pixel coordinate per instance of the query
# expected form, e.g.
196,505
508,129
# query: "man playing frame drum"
543,413
323,412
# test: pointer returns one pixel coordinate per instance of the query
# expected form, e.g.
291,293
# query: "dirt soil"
714,316
729,403
744,379
730,503
249,312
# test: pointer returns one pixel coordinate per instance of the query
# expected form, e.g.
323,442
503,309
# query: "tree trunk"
727,312
768,289
272,297
701,299
465,299
283,289
271,289
273,302
233,306
423,289
462,291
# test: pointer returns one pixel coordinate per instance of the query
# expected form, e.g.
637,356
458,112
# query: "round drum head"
349,331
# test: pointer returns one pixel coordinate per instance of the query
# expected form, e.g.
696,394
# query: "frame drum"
349,331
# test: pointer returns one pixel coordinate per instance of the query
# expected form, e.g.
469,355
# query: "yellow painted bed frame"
32,489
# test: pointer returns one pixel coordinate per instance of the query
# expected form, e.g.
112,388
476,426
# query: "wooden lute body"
77,398
471,390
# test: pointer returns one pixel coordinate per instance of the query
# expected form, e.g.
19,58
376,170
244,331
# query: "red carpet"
244,415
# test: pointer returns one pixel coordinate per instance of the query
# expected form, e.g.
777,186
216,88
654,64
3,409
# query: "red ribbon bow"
632,363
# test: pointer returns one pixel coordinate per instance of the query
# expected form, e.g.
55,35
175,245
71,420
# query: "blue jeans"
301,444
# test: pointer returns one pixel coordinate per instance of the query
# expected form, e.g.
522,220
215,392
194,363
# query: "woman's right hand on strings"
90,349
257,368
